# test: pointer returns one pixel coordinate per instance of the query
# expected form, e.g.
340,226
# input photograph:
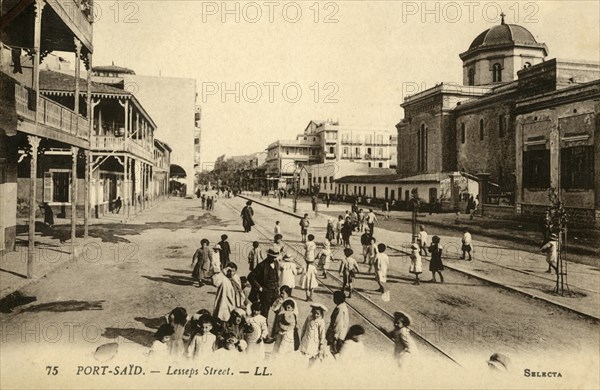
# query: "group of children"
202,337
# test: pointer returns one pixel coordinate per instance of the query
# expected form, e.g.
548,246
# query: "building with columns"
519,122
171,101
36,133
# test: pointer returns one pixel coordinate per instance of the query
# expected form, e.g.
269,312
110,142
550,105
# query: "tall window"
463,133
501,125
422,148
481,129
536,169
471,76
577,167
497,73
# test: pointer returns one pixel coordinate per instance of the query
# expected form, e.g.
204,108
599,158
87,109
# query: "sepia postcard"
305,194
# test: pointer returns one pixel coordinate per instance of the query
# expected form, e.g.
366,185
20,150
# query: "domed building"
498,53
519,123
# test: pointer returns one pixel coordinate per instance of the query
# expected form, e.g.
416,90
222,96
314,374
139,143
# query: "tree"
556,221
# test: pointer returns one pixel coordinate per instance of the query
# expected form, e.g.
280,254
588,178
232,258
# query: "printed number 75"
52,370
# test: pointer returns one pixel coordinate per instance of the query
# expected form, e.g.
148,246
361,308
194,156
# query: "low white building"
432,187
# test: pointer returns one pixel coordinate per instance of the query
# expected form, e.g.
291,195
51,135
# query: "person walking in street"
289,271
386,209
325,257
347,232
361,220
265,281
48,214
435,264
348,270
405,347
309,279
118,205
203,200
229,292
304,224
382,262
202,262
313,202
416,265
277,228
327,200
372,254
285,327
247,215
330,230
422,240
466,244
371,220
225,250
313,341
255,255
278,246
338,229
365,241
339,323
551,250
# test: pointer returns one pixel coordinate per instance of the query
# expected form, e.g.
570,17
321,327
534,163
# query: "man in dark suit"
265,281
225,251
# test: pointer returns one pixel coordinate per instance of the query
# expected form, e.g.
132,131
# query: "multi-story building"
121,143
162,163
520,122
329,151
44,145
171,102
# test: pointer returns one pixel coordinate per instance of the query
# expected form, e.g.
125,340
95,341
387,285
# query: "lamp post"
295,186
415,209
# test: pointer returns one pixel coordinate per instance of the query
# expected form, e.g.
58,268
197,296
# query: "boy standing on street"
304,224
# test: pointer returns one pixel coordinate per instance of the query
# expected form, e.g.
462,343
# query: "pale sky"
357,68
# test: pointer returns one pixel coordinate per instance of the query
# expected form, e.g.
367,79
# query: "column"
143,186
454,196
77,75
483,189
126,188
34,142
37,37
86,183
88,155
74,152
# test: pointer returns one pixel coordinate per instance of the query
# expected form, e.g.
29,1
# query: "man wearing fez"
265,280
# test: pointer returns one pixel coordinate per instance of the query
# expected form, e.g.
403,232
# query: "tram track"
353,306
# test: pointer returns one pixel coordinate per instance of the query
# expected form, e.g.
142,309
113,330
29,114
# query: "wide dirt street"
135,273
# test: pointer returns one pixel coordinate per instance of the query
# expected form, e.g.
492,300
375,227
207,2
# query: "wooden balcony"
105,143
77,15
51,114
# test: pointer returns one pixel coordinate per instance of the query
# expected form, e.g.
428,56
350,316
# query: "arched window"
471,76
422,148
501,124
497,73
527,65
481,129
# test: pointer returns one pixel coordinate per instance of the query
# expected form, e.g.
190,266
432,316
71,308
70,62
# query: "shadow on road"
138,336
152,323
115,232
171,279
16,299
63,306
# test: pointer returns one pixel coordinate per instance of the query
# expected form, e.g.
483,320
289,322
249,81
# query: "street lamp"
415,209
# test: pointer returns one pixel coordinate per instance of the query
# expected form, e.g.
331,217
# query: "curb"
484,279
30,282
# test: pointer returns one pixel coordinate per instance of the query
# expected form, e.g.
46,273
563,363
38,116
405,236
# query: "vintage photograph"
354,194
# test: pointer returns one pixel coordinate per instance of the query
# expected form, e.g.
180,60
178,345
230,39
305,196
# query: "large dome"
504,34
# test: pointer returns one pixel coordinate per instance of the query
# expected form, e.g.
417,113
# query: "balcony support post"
37,37
77,75
34,142
88,156
74,154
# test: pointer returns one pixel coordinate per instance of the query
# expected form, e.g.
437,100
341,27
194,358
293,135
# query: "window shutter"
565,165
589,159
48,187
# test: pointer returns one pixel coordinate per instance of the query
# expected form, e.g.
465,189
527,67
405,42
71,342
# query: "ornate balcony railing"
50,113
